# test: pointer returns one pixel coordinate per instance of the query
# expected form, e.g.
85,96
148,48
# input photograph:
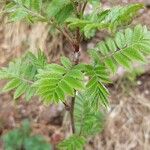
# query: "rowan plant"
65,83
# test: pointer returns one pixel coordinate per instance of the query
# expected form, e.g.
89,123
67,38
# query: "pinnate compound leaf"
87,121
56,82
20,74
127,46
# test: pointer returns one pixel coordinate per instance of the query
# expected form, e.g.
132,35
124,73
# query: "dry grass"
127,127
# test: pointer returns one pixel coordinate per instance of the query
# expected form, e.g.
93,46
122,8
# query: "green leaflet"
103,48
59,9
29,93
67,88
36,5
32,4
55,6
20,90
74,142
120,40
138,33
75,22
18,15
111,44
145,47
111,63
128,36
25,2
11,85
74,82
133,54
64,13
56,69
122,60
98,71
66,62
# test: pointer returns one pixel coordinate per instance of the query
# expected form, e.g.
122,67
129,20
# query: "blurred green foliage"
21,139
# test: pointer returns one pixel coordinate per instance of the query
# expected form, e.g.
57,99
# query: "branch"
84,6
72,113
70,39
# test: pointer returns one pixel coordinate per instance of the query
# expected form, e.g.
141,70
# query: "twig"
84,6
67,107
72,114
